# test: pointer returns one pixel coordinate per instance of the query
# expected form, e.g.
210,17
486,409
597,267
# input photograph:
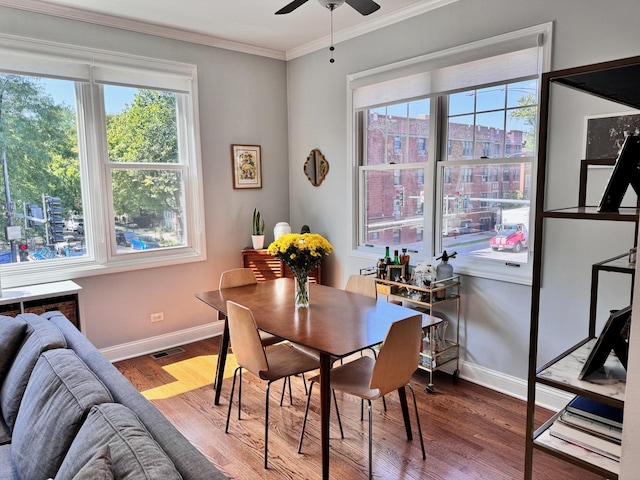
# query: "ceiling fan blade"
365,7
291,7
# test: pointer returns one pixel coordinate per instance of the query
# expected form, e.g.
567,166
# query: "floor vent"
167,353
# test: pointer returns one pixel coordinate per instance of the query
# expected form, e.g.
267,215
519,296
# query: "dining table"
336,324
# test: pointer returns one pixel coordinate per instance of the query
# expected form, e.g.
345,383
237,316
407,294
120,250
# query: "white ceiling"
246,25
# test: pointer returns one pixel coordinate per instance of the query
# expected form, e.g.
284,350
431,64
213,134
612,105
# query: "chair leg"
370,440
233,387
335,402
304,420
240,394
290,395
415,406
304,382
266,425
306,413
284,387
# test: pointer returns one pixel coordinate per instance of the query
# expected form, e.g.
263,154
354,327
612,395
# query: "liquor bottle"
381,268
387,258
396,258
404,258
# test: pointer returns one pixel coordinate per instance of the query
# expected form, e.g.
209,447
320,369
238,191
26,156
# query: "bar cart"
437,351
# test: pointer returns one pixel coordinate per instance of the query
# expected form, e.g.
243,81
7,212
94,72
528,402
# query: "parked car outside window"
510,236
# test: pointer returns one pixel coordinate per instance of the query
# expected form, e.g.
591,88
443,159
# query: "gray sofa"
67,413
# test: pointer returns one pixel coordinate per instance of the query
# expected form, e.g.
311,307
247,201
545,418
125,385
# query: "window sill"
17,275
489,269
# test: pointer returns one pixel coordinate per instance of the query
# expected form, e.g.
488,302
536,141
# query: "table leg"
325,407
402,393
222,360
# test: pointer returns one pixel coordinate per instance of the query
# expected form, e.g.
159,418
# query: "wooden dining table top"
336,322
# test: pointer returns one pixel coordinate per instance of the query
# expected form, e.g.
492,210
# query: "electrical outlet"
157,317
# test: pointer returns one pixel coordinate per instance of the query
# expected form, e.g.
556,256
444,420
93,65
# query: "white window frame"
92,68
403,81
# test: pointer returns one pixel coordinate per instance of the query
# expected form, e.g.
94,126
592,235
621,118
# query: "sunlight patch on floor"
190,374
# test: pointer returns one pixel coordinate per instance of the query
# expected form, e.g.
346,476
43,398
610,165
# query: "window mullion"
92,151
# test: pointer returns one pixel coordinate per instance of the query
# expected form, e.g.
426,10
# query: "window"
101,160
501,115
422,146
397,145
479,123
393,186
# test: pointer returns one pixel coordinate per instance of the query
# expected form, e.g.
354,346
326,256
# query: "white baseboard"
546,397
515,387
161,342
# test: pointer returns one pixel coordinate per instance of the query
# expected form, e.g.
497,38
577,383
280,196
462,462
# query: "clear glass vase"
302,291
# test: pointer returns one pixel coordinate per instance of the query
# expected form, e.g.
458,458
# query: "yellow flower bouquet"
301,252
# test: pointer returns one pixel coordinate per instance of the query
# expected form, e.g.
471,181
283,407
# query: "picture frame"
605,134
246,165
612,337
395,272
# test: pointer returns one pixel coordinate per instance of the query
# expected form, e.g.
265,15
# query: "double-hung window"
467,120
101,163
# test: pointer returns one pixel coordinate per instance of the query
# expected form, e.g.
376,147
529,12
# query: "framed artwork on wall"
605,134
247,166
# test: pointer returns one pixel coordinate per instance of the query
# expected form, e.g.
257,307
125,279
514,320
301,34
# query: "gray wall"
243,100
495,315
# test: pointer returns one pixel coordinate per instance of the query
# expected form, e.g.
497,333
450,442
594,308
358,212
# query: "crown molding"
106,20
399,15
61,11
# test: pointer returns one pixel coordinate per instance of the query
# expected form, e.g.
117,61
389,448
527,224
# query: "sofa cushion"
41,335
60,393
98,467
7,470
134,453
12,332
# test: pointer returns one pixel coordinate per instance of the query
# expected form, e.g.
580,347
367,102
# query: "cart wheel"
429,389
456,374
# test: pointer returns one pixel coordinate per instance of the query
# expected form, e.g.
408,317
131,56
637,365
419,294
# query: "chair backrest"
399,355
237,278
245,338
363,285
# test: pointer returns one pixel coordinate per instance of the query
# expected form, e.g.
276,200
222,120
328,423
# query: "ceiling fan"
365,7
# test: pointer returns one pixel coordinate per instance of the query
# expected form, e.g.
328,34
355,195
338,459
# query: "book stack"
591,425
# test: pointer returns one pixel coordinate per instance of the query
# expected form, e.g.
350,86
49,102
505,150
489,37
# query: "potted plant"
257,236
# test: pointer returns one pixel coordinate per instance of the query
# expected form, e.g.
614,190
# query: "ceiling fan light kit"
364,7
331,4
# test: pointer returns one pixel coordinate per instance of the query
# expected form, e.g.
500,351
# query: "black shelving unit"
617,81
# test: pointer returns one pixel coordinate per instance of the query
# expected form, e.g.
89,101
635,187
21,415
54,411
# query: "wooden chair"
363,285
370,379
271,363
239,277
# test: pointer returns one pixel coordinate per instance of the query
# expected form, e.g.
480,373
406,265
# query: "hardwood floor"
470,432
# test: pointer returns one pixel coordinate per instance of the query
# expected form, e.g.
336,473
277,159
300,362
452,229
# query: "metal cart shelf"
437,352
